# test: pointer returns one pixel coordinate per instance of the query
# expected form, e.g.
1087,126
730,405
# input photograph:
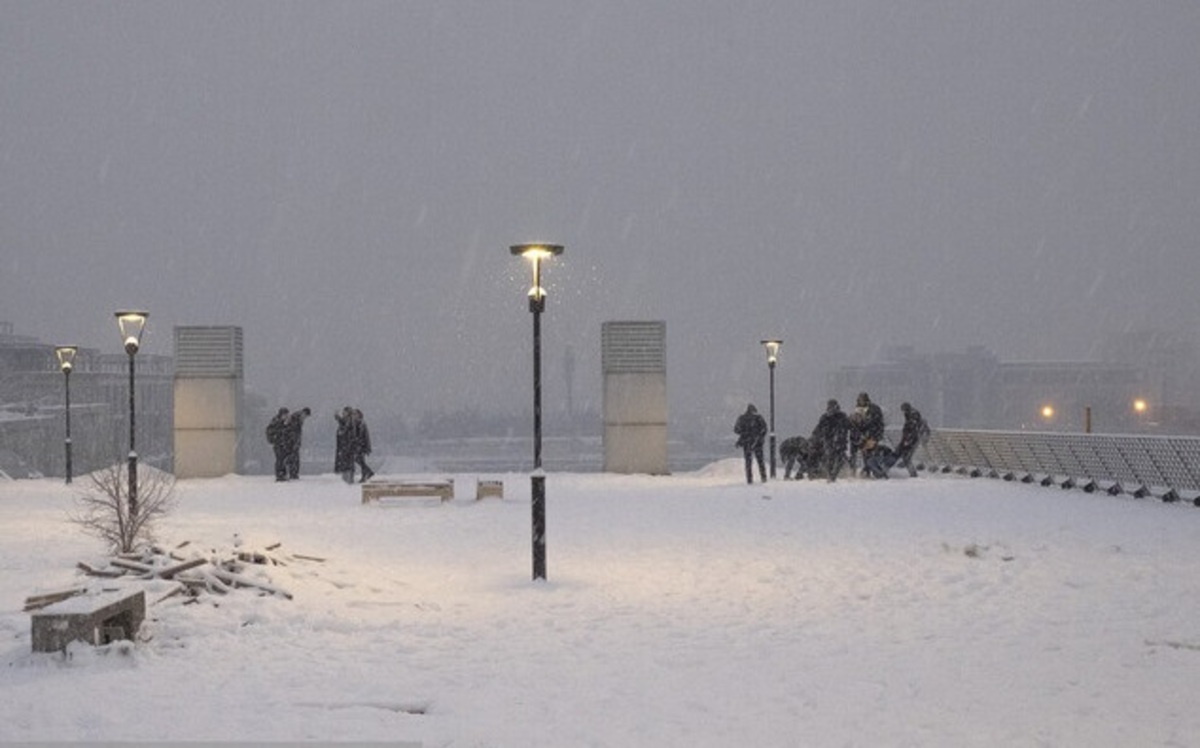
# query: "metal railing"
1166,467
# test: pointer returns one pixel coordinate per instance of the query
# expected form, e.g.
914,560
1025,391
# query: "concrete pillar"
208,401
634,361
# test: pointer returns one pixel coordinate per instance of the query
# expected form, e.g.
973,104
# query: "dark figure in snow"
751,429
794,452
292,436
360,445
343,458
880,461
915,432
353,444
854,440
816,457
277,438
832,432
869,427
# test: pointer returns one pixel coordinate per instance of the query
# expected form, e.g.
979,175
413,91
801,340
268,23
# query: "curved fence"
1167,467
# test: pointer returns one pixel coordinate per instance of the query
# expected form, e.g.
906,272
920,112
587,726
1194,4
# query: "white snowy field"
690,610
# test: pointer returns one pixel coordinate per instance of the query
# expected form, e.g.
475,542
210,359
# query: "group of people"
284,433
353,443
837,440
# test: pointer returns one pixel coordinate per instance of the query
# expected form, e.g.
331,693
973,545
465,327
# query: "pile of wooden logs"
194,574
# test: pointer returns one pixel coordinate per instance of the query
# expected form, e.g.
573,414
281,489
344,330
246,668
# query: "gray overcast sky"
343,180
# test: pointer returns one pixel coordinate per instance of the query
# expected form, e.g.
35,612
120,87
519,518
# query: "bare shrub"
103,510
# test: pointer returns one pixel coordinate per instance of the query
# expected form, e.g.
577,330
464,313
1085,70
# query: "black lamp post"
66,362
132,324
535,253
772,347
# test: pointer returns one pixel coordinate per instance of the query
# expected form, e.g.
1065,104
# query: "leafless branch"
103,509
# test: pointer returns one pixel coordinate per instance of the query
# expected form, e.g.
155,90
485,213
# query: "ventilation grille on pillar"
633,347
208,352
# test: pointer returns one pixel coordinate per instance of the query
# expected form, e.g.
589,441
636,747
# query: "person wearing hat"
751,429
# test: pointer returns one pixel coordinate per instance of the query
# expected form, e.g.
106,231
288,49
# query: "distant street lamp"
66,362
1140,409
535,253
132,323
1048,413
772,347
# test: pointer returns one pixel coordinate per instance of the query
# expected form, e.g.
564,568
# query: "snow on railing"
1163,466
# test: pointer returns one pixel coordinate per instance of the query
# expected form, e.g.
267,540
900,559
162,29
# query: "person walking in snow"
751,429
360,445
277,438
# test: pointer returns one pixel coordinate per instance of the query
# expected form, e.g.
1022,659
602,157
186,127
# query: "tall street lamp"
772,347
66,362
132,323
535,253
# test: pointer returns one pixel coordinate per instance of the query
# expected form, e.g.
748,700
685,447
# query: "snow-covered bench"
489,488
94,619
372,490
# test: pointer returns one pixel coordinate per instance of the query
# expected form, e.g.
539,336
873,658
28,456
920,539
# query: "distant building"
32,399
1145,382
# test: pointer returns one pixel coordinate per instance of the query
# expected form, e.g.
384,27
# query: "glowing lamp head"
1140,406
132,323
772,347
535,253
1047,412
66,357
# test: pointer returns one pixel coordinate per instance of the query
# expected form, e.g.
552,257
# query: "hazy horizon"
343,181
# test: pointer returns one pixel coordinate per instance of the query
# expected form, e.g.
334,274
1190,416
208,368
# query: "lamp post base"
537,492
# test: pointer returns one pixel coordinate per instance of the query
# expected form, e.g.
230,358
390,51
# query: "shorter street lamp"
772,347
535,253
132,323
66,362
1140,409
1048,413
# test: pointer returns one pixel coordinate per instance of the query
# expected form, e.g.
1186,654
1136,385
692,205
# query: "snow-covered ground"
690,610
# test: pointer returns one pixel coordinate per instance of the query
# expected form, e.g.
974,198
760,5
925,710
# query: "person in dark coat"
292,437
833,431
343,457
869,427
880,461
914,432
751,429
360,445
794,452
277,438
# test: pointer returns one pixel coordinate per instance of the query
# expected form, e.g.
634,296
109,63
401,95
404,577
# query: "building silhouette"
1145,382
